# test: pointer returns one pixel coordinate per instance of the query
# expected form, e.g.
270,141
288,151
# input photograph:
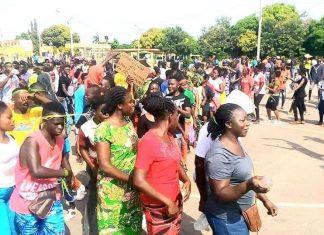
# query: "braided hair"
217,125
114,97
158,106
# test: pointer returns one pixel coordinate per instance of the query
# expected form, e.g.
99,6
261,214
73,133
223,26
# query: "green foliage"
23,36
217,39
152,38
58,35
248,42
177,41
283,31
33,35
314,42
116,45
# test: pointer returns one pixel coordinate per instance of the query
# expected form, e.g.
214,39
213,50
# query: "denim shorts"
53,224
225,227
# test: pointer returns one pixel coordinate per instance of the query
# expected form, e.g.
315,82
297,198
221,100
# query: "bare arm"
201,180
185,112
224,192
29,157
103,152
144,186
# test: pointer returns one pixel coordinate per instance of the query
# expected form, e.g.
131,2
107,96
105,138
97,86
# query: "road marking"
282,204
288,126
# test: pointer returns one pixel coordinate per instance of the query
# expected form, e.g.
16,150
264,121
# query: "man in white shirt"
8,82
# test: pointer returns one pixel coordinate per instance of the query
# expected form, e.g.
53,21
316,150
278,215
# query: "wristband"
65,173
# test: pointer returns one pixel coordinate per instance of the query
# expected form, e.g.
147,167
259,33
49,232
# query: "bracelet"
65,173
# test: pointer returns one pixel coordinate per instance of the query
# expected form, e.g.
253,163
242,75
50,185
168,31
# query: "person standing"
40,164
8,82
299,96
259,90
321,102
229,170
9,155
316,74
158,170
273,100
119,209
184,108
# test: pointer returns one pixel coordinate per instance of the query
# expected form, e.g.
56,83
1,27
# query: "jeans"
7,225
225,227
53,224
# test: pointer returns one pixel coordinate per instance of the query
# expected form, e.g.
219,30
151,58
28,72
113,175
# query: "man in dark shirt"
184,108
64,82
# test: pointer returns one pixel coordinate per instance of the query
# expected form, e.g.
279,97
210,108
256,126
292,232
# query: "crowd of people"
135,141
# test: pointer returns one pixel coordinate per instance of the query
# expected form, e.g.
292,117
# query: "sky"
127,20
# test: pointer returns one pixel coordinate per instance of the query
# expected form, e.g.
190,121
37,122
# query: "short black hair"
53,107
19,89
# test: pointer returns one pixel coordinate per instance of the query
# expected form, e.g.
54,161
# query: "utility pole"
71,36
259,32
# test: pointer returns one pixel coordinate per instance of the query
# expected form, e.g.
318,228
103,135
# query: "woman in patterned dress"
118,207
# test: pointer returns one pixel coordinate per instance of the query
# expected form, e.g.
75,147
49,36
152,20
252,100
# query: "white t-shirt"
8,160
6,91
258,79
204,142
89,129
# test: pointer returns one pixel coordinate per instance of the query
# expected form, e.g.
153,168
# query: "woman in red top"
158,170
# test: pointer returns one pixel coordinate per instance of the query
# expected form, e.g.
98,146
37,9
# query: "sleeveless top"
27,187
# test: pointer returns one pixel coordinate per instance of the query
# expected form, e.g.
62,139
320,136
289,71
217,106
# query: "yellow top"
26,123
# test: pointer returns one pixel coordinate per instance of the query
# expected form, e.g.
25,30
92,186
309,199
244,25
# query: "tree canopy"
58,35
152,38
314,42
177,41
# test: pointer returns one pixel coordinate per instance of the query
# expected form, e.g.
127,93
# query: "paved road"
293,157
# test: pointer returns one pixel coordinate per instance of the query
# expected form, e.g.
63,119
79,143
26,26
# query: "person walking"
229,170
118,209
158,170
299,96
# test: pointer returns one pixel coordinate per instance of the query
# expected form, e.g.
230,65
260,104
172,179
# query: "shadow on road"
187,227
296,147
315,139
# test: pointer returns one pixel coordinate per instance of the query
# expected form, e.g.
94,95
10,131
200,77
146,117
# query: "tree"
177,41
248,42
23,36
283,31
152,38
34,37
58,35
217,39
314,42
116,45
243,35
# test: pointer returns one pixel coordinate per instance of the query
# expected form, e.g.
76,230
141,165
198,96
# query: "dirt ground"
291,155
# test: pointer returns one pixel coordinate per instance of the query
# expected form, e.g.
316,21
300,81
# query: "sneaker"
70,215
